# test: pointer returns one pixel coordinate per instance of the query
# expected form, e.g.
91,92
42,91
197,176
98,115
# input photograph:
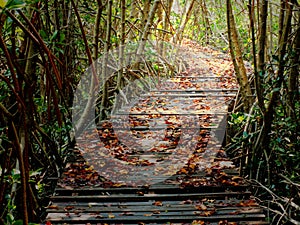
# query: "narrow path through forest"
161,161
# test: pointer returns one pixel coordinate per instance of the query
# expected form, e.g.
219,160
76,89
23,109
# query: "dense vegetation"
45,47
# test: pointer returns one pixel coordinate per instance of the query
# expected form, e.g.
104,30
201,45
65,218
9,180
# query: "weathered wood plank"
147,197
170,209
111,218
190,95
166,113
194,90
162,188
173,203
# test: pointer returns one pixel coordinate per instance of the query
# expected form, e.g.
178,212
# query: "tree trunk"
262,26
281,19
167,19
19,145
205,14
97,29
121,49
166,25
270,109
179,34
237,57
134,12
91,100
146,29
104,101
145,13
293,80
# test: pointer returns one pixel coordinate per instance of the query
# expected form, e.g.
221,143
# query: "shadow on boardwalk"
161,161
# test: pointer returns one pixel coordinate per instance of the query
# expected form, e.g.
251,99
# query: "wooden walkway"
205,190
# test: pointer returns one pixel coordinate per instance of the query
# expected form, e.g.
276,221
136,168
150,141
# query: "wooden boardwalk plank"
111,218
147,197
215,195
194,90
191,95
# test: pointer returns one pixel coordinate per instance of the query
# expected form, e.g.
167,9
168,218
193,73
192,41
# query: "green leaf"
240,119
18,222
278,163
280,150
276,89
62,37
14,4
43,34
3,3
54,35
245,134
234,115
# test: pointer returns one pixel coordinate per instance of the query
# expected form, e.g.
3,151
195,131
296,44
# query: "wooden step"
162,217
193,90
166,113
148,197
191,95
160,188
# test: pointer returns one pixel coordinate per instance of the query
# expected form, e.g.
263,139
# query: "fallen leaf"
247,203
111,216
186,202
52,207
127,214
68,208
157,203
234,213
201,207
198,222
205,213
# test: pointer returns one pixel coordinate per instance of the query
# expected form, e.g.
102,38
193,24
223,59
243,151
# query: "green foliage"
286,144
11,4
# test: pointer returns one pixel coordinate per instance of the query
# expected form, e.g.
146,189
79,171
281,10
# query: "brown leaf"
140,193
201,207
234,213
111,216
236,178
198,222
127,214
52,207
70,207
156,212
157,203
205,213
186,202
247,203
